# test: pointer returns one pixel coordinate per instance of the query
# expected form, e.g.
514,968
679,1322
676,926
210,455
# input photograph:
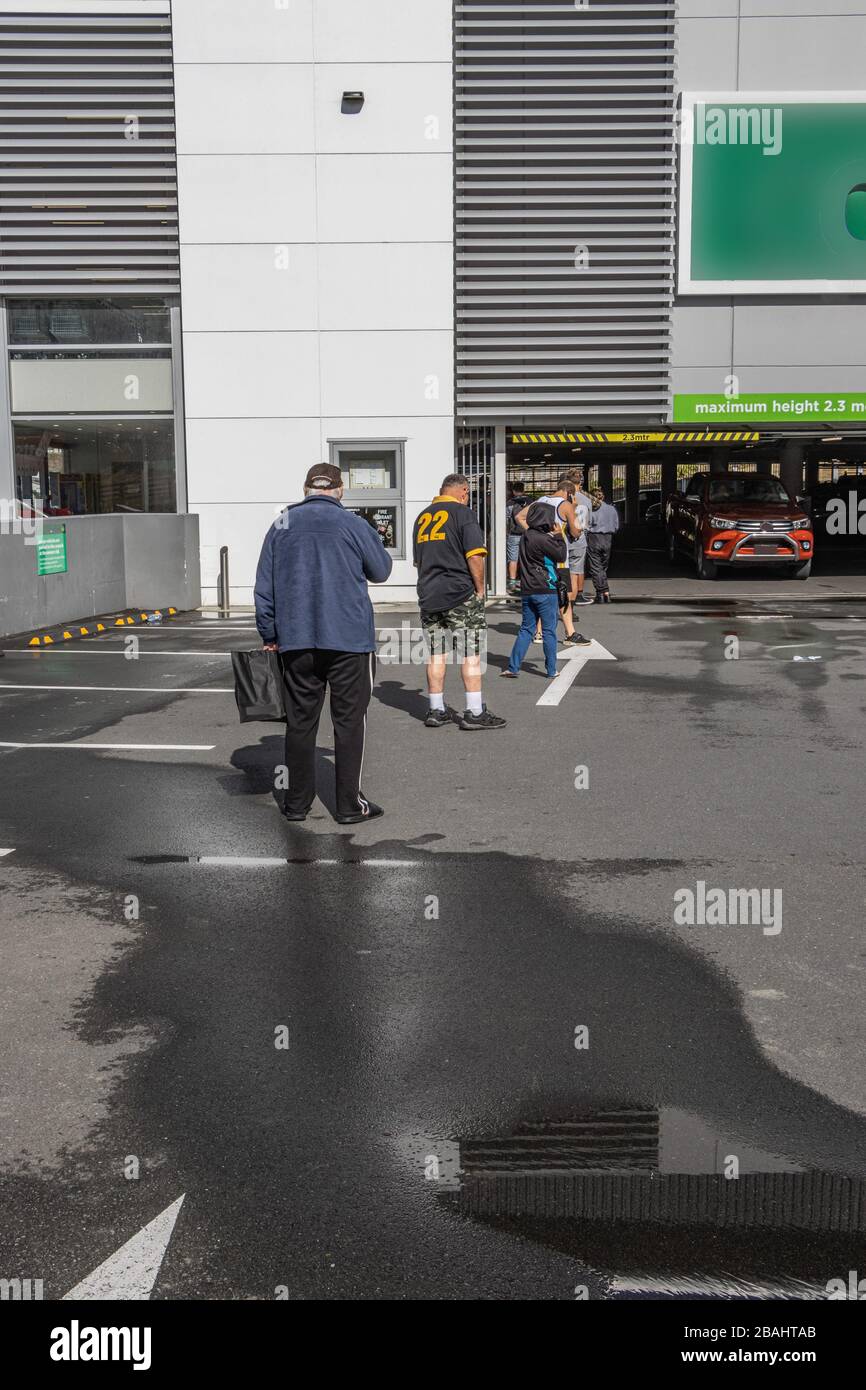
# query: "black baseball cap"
324,476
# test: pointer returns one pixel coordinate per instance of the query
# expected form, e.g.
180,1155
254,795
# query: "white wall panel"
241,461
799,334
242,288
385,373
234,198
381,286
234,375
807,54
385,197
393,31
242,31
707,55
701,334
244,108
407,108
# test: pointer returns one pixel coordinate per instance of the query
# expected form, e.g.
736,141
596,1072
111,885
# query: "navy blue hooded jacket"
311,583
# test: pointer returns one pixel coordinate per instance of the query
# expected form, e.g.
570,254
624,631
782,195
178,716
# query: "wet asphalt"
466,1051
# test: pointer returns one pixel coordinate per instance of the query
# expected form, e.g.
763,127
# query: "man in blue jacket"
312,606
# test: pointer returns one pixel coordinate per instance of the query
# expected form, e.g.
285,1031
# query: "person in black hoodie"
542,549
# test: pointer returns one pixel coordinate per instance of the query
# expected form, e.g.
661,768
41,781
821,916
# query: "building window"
373,471
92,393
67,469
89,322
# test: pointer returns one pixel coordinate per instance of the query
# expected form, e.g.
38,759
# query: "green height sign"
51,552
777,406
772,193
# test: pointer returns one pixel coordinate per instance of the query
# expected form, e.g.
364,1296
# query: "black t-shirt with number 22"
445,535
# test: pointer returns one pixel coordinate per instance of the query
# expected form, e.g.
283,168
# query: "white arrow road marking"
130,1273
4,852
575,659
134,747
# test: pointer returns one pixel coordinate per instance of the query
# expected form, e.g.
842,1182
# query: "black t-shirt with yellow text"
444,536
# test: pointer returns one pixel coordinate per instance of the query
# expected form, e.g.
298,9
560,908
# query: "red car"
739,519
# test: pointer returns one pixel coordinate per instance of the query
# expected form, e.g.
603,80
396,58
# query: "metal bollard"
223,591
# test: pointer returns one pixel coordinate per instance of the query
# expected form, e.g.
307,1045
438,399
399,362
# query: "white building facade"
316,261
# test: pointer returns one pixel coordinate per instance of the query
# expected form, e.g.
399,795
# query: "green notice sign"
773,406
51,552
773,192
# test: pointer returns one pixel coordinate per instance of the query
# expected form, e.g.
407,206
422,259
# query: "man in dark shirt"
543,548
312,606
449,551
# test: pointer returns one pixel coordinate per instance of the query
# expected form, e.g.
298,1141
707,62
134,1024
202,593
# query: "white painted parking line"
131,1272
128,689
103,651
136,747
575,659
265,862
4,852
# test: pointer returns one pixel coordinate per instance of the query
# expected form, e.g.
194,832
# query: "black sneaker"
577,639
484,720
584,598
437,717
357,817
509,675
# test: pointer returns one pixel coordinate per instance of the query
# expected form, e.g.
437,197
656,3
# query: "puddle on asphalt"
655,1203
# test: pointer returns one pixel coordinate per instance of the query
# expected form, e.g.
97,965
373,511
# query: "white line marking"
128,689
131,1272
575,659
137,747
192,627
104,651
240,862
249,862
4,852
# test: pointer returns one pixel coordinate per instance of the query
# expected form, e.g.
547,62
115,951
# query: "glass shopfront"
69,469
92,394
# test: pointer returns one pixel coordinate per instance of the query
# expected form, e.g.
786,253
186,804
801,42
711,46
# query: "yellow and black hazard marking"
71,632
641,437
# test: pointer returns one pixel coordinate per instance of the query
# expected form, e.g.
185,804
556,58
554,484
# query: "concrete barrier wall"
115,562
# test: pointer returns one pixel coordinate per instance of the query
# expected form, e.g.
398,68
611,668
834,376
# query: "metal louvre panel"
84,207
564,139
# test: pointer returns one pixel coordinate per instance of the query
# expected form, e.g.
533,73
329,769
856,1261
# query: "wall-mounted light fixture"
352,103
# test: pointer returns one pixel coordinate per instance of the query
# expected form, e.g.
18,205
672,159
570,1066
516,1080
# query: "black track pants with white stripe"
306,676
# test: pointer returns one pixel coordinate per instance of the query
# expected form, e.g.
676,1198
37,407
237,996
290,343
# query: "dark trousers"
306,675
598,545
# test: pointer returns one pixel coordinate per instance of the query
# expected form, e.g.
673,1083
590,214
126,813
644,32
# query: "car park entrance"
639,470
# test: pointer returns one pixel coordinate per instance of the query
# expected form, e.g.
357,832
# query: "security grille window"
564,167
88,186
373,486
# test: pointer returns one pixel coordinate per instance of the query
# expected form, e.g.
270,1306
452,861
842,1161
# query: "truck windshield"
748,487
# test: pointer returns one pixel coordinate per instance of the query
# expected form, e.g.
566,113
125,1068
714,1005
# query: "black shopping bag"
258,685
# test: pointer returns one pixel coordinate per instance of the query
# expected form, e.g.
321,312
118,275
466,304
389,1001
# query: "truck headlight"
722,523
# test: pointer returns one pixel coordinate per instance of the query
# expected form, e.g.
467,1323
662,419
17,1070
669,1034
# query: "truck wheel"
801,571
706,569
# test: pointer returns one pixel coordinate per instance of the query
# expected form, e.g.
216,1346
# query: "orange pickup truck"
739,519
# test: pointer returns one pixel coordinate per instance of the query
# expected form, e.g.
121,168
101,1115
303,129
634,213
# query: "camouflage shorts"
461,630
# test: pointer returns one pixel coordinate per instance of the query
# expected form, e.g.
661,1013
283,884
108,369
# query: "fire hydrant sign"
51,552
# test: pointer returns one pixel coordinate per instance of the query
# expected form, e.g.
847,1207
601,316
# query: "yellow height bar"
642,437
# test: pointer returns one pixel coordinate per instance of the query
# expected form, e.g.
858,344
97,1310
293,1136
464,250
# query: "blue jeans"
535,606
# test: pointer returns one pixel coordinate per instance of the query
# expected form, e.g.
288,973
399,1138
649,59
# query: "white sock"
436,701
474,701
